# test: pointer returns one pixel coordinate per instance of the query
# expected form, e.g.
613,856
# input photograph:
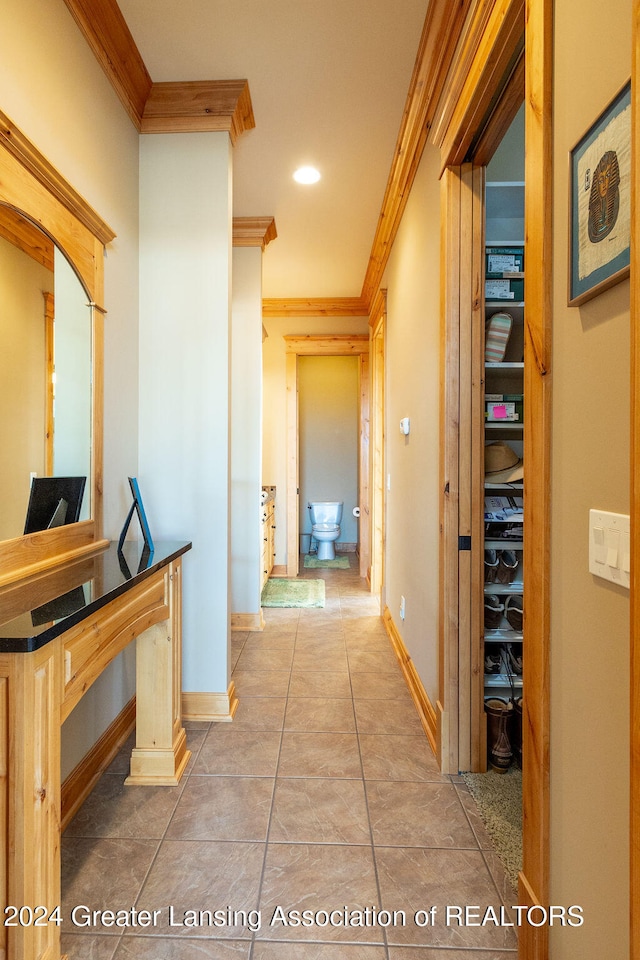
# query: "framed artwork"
600,202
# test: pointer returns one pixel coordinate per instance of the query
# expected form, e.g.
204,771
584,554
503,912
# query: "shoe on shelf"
514,660
493,612
507,567
513,610
492,662
491,564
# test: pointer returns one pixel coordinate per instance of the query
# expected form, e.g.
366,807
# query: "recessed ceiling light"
306,175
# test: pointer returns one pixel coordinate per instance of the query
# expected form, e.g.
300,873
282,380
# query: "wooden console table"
58,632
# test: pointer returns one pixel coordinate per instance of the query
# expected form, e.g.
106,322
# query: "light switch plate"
610,546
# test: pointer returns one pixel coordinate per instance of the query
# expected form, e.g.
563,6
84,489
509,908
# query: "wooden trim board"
419,695
199,106
220,707
83,778
254,231
315,307
247,622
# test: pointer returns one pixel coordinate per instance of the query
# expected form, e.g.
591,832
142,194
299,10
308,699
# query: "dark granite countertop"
35,612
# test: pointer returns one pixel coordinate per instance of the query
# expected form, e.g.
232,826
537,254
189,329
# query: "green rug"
498,797
279,592
340,563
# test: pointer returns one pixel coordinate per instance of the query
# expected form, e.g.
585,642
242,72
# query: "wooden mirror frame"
29,184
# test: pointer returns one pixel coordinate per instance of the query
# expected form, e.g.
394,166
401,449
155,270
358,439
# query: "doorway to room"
328,428
337,346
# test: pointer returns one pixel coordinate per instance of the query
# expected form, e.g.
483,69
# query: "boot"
499,716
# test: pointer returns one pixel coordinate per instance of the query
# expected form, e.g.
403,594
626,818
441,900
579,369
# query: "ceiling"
328,84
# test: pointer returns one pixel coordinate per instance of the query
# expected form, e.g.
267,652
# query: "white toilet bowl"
325,526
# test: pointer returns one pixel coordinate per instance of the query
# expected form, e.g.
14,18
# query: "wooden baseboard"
279,570
418,693
83,778
220,707
247,622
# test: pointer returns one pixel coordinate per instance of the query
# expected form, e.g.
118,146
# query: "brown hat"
501,463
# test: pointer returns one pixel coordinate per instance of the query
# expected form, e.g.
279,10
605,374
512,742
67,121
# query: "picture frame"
600,202
137,507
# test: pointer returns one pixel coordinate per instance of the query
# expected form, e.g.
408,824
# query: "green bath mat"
279,592
340,563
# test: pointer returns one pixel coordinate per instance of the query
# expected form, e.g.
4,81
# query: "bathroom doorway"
328,427
357,349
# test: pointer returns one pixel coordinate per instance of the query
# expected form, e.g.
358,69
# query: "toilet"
325,526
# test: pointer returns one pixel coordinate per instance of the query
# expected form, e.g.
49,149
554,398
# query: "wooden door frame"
339,345
377,324
475,126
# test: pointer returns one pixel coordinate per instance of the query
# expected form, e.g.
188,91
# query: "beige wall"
52,87
590,469
412,388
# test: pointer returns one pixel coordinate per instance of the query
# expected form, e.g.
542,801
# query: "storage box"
512,405
501,289
498,411
501,260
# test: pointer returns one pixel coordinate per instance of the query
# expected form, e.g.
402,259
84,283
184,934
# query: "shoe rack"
503,637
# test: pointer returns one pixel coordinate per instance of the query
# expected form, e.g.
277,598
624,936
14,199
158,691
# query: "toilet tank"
326,511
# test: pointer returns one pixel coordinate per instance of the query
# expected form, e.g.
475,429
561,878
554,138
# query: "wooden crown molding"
333,344
443,25
315,307
21,148
253,231
105,30
189,107
199,106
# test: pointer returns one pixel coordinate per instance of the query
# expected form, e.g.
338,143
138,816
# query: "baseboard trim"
247,622
219,707
419,695
83,778
279,570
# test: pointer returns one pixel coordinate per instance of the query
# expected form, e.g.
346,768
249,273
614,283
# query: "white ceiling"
328,83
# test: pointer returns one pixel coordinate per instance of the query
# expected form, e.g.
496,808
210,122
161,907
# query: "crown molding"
180,107
105,30
199,106
443,26
315,307
253,231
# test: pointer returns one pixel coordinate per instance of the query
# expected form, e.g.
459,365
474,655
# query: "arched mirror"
45,369
51,365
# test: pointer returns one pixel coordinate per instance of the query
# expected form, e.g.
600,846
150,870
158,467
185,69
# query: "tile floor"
322,796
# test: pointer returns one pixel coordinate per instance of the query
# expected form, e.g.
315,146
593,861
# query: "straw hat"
501,463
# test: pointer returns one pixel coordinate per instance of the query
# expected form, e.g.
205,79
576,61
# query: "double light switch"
610,546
